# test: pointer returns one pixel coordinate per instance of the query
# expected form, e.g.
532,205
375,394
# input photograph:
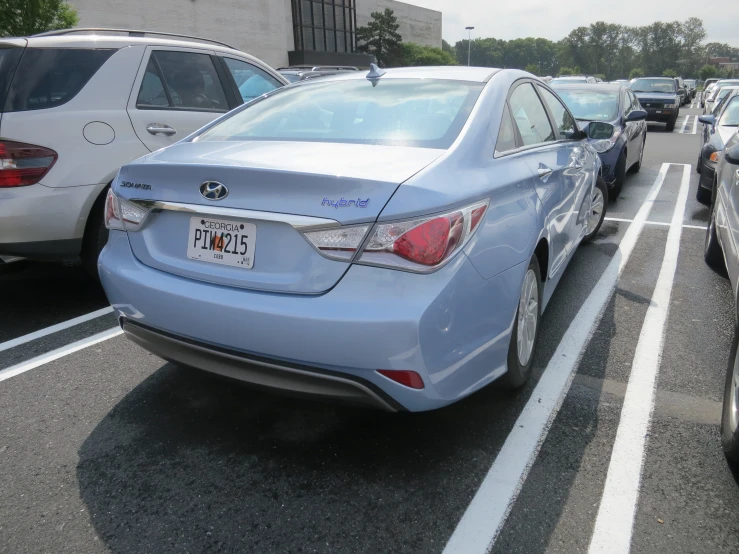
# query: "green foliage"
532,68
446,47
669,73
380,37
20,18
412,54
636,73
707,72
600,76
569,71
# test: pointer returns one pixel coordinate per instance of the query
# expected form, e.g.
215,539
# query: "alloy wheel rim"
596,210
528,317
734,406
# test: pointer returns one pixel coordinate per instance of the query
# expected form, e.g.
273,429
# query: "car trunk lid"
274,190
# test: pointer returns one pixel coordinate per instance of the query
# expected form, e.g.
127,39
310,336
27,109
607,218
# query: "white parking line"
484,517
685,124
615,520
22,367
695,125
685,225
54,328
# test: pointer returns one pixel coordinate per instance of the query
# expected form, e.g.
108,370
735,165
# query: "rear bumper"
664,116
452,327
260,372
43,222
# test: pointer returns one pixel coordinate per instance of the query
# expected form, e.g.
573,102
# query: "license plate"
658,111
222,241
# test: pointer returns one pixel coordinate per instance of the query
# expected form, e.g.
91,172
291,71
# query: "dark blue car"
660,97
616,127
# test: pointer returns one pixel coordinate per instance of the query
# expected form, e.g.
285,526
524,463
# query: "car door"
578,167
177,91
631,129
545,160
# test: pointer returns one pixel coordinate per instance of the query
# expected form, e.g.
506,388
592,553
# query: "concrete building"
280,32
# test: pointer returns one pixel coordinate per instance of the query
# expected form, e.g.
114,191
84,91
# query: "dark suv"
659,97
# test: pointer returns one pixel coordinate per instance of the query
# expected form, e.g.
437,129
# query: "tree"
707,72
20,18
446,47
569,70
532,68
415,54
669,73
636,73
380,37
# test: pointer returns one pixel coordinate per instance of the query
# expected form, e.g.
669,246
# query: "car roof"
452,73
102,38
614,87
673,78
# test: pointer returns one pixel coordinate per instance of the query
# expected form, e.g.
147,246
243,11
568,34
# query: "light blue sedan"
388,238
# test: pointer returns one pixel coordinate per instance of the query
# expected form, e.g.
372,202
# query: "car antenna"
375,73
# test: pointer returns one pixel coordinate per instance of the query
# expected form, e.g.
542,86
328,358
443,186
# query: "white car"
78,104
714,92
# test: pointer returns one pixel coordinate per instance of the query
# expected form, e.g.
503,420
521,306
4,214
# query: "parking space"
105,447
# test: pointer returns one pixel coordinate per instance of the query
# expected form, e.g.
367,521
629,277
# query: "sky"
555,19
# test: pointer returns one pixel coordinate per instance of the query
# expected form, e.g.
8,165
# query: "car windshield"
730,117
406,112
654,85
591,104
568,81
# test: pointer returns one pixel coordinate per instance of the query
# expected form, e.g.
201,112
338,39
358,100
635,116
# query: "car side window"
186,80
506,135
635,105
251,81
564,121
530,116
626,101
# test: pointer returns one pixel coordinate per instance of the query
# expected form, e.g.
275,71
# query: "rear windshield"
407,112
8,62
654,85
591,104
50,77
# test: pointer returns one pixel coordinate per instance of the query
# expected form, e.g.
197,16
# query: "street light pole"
469,42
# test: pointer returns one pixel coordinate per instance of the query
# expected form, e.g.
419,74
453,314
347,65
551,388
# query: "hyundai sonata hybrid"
388,238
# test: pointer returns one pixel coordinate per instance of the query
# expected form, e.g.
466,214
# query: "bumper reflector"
404,377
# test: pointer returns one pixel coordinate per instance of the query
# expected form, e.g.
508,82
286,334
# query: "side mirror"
600,130
708,119
732,155
636,115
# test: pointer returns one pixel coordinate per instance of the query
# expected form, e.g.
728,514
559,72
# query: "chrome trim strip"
299,222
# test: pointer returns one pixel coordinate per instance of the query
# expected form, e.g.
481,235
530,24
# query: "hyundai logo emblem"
213,190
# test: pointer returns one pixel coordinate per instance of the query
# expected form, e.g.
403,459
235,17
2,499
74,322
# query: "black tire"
699,165
671,124
96,237
712,253
600,184
729,438
637,166
518,373
703,195
620,171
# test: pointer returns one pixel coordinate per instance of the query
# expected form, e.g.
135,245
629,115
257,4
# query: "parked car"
721,127
329,213
573,80
659,97
721,95
81,103
722,253
707,89
615,123
300,73
691,85
710,101
682,91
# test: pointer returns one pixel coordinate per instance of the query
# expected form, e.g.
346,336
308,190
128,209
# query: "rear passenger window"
251,81
530,116
562,117
50,77
181,80
506,135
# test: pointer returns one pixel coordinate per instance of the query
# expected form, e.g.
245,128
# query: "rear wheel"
637,166
699,165
597,212
96,236
730,411
525,329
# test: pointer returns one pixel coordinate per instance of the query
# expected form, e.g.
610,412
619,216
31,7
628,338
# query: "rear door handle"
544,171
160,129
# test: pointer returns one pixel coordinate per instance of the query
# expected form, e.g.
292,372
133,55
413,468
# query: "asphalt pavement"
106,448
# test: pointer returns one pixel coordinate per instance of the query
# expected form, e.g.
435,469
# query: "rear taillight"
422,245
23,164
122,215
404,377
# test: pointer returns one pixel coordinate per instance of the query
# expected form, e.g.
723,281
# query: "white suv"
76,105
